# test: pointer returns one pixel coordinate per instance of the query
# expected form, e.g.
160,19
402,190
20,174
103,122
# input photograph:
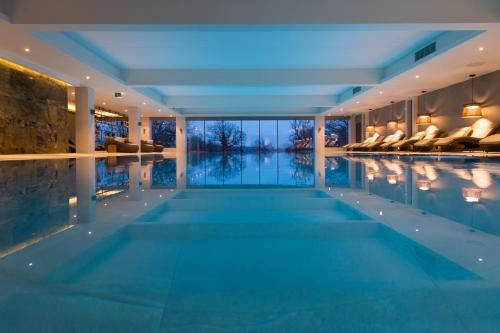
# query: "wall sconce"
424,119
392,179
471,194
180,129
472,109
424,185
319,129
392,124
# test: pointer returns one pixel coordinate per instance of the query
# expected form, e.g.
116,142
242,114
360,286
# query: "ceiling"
211,67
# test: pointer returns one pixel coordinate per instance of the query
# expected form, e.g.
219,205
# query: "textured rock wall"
33,113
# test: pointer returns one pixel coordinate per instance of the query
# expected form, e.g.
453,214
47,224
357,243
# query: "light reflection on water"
136,243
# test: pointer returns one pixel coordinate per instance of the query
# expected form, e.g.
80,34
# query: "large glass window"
163,132
336,132
250,151
109,127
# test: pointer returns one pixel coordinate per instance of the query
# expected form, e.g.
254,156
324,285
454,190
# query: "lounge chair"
407,143
373,145
122,146
375,139
147,147
490,143
394,138
467,137
372,138
427,143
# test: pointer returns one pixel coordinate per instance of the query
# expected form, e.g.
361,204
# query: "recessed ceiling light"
143,103
103,103
171,115
159,110
341,109
73,93
417,76
27,50
380,92
87,77
481,49
357,102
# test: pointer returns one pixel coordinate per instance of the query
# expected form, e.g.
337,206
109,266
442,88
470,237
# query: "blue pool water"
249,243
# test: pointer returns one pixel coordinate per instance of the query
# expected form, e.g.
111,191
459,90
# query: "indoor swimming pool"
245,242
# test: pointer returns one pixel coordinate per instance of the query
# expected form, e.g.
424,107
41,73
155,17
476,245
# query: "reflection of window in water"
284,169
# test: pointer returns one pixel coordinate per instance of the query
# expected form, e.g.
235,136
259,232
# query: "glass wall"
163,132
250,152
336,132
109,127
265,135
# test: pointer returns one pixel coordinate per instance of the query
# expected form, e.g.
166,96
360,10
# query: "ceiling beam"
249,102
172,77
251,12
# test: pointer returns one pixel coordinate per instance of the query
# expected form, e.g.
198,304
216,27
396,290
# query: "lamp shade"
370,129
392,124
472,110
424,119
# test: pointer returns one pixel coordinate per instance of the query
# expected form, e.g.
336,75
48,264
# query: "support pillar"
85,190
180,150
319,151
146,133
84,120
134,126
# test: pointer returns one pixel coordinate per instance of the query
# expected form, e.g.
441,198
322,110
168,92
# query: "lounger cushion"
417,136
482,128
431,132
122,140
492,140
458,133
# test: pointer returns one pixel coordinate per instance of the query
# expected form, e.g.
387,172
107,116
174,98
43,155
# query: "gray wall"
33,113
445,104
380,117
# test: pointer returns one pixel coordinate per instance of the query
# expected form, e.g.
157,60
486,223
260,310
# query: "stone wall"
33,112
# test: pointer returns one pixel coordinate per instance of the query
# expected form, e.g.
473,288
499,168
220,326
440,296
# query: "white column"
85,190
84,120
319,151
146,129
180,149
134,127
